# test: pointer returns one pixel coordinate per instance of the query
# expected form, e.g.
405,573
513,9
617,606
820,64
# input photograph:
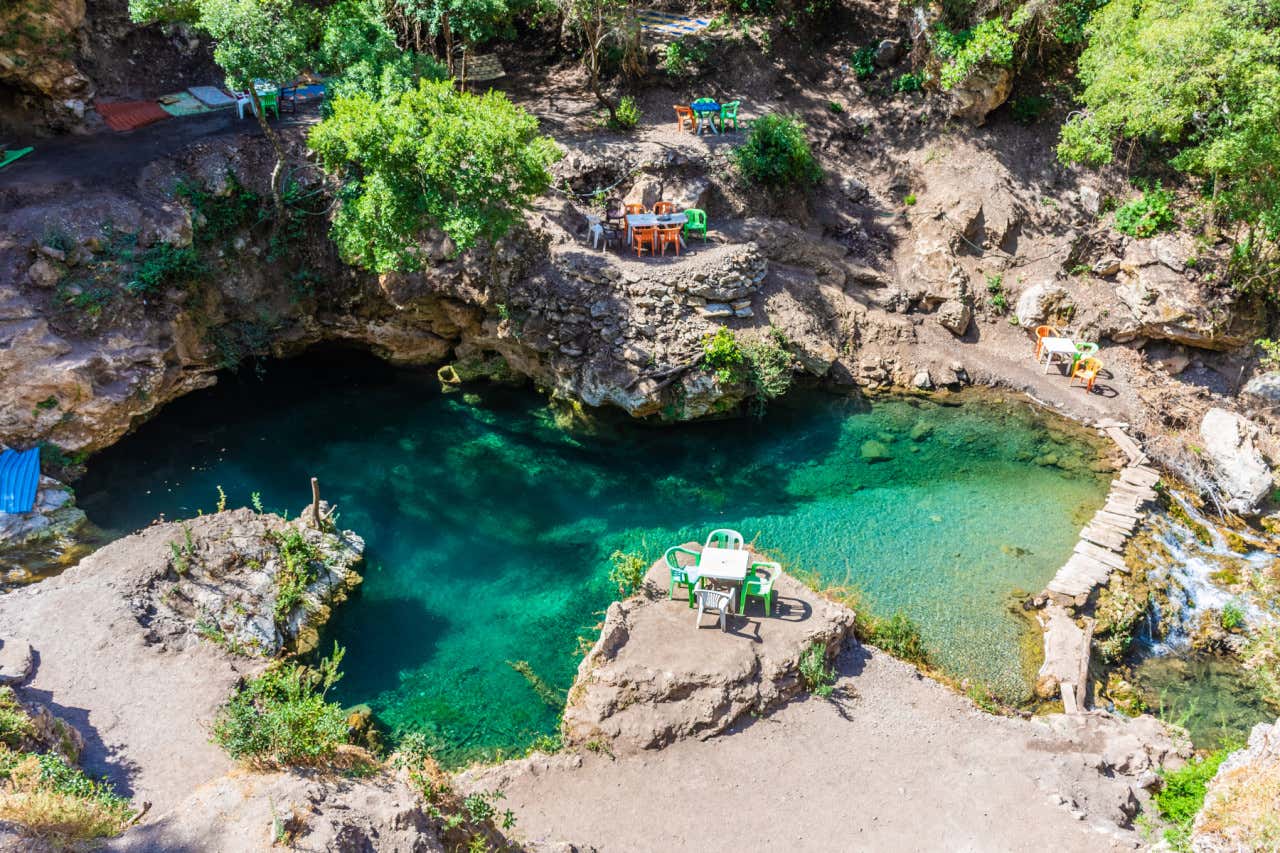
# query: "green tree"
359,50
252,39
1201,76
428,157
602,24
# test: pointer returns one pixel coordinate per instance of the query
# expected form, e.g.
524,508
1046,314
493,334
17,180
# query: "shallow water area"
490,529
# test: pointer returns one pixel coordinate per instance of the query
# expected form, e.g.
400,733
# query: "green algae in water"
489,530
1210,696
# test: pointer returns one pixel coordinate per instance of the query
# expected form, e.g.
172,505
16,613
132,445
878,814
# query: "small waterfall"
1184,567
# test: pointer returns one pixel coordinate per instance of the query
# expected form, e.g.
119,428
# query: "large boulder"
1265,387
36,56
1166,304
980,93
1039,301
653,677
1238,465
955,316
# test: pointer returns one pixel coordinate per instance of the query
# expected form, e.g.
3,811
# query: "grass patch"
300,566
466,823
816,674
281,717
53,800
1183,795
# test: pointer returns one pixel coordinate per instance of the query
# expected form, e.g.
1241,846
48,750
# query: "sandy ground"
897,763
143,709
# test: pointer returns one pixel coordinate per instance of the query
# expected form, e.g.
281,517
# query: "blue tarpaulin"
19,477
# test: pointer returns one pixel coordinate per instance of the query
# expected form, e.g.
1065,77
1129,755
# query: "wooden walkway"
1099,552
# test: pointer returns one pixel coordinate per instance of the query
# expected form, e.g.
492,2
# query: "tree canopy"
1200,76
428,157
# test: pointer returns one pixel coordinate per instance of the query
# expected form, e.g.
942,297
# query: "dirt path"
900,763
143,708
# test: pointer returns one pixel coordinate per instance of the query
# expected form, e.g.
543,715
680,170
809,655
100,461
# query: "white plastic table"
721,564
1049,347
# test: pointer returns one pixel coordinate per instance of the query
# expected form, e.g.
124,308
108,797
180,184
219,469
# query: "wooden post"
315,502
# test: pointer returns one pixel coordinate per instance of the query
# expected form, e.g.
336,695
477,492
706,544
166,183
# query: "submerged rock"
653,677
874,450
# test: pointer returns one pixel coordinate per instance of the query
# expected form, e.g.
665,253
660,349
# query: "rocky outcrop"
1039,302
36,56
299,809
981,92
1237,464
1242,806
48,536
1168,304
653,677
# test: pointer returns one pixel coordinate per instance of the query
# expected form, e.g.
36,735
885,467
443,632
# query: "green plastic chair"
1083,350
697,222
758,587
679,575
729,112
724,538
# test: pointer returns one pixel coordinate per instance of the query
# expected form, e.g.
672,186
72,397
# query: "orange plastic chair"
1087,370
664,207
670,236
636,208
642,236
683,113
1043,332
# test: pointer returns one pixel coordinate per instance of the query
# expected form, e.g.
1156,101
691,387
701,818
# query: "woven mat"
212,96
128,115
668,24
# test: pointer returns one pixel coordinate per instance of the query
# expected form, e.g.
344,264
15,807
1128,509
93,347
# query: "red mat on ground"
127,115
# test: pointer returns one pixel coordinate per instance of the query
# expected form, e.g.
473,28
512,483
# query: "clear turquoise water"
489,528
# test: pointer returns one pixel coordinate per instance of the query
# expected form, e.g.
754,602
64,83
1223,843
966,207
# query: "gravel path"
899,763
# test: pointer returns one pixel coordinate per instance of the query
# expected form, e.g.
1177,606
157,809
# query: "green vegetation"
1200,83
1027,109
300,566
43,792
429,156
765,364
777,154
909,82
1147,214
1232,616
996,297
605,29
1183,795
898,635
685,57
545,691
817,676
466,823
1261,658
723,356
863,62
989,43
628,571
627,116
281,716
1270,358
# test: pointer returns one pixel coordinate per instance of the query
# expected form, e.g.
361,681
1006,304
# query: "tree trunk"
593,81
448,42
277,173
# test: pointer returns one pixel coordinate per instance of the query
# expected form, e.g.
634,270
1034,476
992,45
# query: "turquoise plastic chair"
1083,350
679,577
697,222
724,538
758,587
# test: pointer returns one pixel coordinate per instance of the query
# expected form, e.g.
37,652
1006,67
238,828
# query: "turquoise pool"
489,528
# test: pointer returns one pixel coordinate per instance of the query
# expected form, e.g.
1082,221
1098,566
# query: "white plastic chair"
718,602
724,538
242,100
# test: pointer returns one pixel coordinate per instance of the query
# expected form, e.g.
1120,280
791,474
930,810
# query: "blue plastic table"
706,110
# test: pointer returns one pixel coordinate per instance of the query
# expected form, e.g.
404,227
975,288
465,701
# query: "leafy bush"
300,566
52,799
217,217
1146,215
685,56
864,62
1270,358
15,725
1183,795
966,51
777,154
281,717
769,365
909,82
162,265
997,299
431,156
723,356
627,115
629,569
816,675
1232,616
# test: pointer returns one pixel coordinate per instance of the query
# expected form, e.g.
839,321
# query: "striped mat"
668,24
19,478
128,115
212,96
